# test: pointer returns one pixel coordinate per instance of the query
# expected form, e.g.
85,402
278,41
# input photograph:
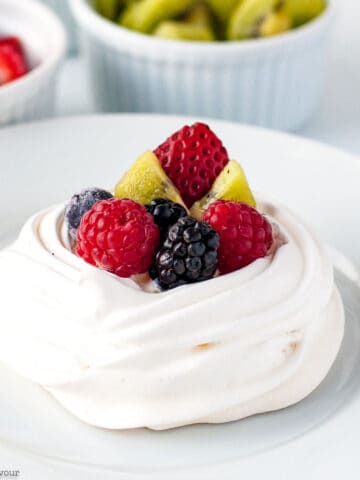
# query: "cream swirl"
252,341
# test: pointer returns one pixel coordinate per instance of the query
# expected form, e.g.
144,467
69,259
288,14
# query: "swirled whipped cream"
116,356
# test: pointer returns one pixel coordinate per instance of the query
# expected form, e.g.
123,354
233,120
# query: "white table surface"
338,119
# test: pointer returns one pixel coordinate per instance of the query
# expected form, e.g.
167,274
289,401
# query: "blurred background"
293,78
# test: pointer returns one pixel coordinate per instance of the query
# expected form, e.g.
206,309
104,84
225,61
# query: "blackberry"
165,214
188,255
79,204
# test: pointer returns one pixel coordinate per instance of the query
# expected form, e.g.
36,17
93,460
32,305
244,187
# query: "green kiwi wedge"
145,15
210,20
303,11
109,9
274,23
199,14
184,31
223,8
257,18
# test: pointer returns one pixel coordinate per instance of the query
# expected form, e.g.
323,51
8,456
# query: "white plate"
45,163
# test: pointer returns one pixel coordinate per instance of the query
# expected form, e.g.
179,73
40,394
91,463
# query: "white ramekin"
32,97
274,82
61,7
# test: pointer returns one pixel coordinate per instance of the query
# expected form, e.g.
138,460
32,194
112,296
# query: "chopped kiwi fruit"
222,8
202,14
231,184
250,17
145,15
216,19
302,11
275,23
199,14
147,180
184,31
109,9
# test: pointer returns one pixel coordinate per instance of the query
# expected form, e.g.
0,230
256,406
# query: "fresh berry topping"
12,60
119,236
165,214
188,255
192,158
79,204
245,235
146,180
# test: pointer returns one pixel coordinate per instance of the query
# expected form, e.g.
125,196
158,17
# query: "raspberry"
188,255
165,213
245,235
79,204
192,158
119,236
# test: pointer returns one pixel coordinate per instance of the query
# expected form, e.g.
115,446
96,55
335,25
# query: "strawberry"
12,42
192,158
12,60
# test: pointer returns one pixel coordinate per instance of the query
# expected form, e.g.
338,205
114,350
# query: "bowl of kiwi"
261,62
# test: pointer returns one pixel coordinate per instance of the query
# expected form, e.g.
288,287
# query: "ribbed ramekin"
274,82
61,7
32,97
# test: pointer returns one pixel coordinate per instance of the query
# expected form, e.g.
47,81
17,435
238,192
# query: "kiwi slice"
302,11
222,8
255,18
202,14
109,9
231,184
145,15
275,23
184,31
199,14
147,180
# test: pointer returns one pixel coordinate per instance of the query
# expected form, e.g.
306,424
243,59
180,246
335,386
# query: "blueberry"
79,204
